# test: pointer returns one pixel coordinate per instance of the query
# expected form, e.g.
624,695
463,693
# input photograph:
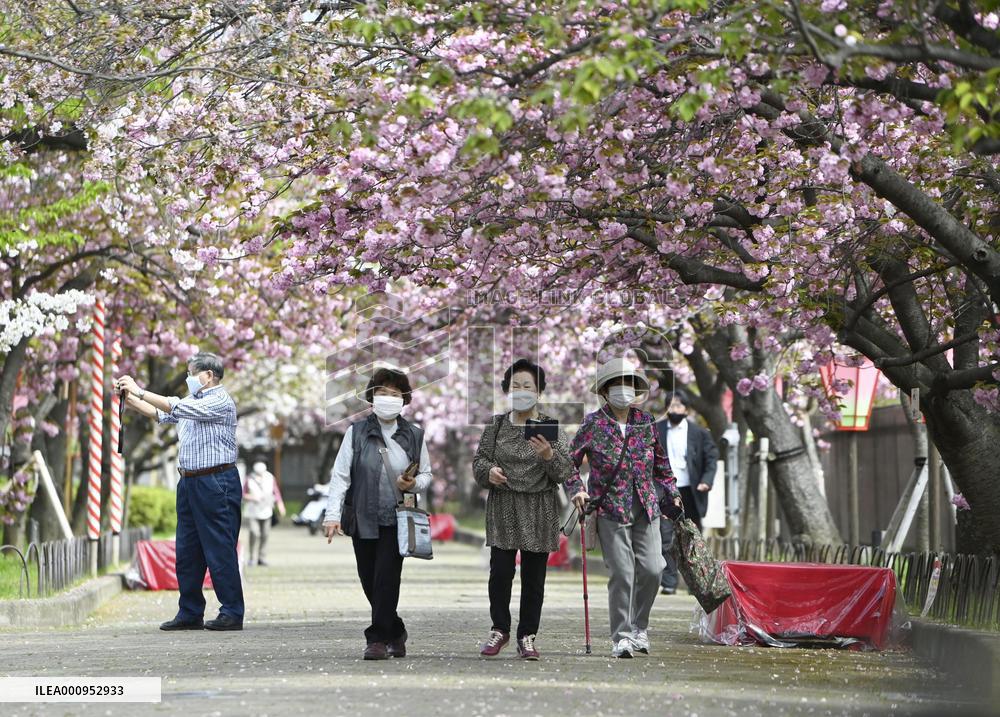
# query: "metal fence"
968,589
57,564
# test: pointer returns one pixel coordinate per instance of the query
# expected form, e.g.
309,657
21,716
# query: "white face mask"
621,397
387,407
523,400
193,384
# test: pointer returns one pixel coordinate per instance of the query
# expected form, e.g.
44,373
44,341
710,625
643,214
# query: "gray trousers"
259,531
632,554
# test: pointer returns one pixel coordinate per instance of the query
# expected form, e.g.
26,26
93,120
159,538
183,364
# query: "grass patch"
10,574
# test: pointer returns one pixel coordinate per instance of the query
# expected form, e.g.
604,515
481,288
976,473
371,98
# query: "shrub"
154,507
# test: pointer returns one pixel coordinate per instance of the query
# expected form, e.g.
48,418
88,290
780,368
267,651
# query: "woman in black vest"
363,499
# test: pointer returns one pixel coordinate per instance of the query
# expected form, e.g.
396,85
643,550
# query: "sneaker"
526,648
622,648
495,643
668,591
640,642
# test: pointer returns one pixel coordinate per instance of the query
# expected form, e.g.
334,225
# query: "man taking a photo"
208,494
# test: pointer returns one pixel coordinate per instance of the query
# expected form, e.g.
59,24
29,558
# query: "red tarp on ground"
442,526
793,604
154,566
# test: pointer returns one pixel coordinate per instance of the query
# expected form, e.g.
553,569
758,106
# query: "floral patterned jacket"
600,440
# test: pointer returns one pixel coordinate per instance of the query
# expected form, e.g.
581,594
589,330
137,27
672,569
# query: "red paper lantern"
856,406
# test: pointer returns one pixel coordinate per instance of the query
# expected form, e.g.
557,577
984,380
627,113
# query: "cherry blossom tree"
833,164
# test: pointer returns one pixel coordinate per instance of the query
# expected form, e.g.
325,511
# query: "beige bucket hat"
620,367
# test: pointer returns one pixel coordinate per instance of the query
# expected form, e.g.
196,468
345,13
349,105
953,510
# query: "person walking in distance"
261,497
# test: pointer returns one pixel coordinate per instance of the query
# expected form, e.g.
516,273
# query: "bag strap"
384,453
496,434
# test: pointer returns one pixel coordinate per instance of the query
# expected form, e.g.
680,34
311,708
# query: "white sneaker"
640,641
623,648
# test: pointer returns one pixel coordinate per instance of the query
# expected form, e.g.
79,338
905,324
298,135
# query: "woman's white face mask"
387,407
621,397
523,401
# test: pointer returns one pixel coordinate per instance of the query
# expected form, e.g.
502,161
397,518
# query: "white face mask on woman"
387,407
523,401
621,397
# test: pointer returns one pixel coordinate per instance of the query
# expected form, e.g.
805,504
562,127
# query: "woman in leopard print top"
522,510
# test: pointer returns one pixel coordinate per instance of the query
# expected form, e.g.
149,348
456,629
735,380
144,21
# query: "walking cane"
567,530
583,563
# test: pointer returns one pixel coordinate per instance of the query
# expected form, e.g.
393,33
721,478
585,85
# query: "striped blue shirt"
206,428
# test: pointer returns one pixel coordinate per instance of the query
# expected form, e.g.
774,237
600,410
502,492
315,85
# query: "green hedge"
154,507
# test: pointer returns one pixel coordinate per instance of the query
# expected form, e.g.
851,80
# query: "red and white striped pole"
95,445
117,460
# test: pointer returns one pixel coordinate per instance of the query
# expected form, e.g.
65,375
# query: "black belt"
206,471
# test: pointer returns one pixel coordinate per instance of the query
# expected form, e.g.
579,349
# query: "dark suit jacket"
702,457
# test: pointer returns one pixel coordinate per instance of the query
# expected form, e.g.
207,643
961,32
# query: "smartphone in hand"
549,428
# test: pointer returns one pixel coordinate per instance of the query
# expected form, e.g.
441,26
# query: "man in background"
693,456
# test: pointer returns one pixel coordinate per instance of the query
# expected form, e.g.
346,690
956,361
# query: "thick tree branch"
926,353
952,234
870,300
34,138
968,378
693,271
964,24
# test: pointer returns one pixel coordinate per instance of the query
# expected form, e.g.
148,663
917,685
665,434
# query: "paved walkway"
300,654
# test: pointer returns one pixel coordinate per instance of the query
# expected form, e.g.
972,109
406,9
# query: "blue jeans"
208,526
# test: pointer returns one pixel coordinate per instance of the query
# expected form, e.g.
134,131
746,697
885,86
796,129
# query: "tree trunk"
10,367
331,446
78,520
967,436
53,450
458,471
790,471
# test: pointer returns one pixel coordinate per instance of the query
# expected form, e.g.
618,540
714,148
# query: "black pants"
669,577
533,566
380,567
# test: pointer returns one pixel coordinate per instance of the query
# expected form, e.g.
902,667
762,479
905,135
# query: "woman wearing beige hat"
626,461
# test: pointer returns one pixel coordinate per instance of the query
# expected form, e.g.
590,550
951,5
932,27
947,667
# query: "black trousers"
533,567
380,567
669,577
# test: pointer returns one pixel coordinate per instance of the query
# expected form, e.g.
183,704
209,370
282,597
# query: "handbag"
413,531
702,573
413,525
